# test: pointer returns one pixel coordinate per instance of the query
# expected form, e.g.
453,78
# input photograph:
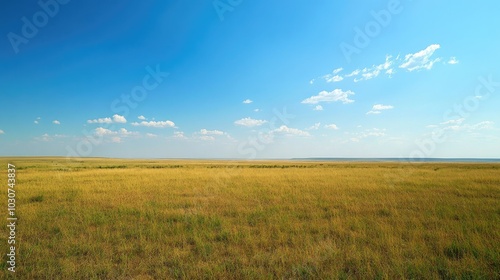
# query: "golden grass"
168,219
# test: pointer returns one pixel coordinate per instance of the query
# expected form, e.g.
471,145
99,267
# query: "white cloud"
37,121
377,108
119,119
116,118
179,135
454,121
124,132
375,70
116,139
453,60
374,132
421,59
47,138
290,131
207,138
56,122
318,108
482,125
332,96
249,122
332,126
414,61
338,70
157,124
101,131
256,110
315,126
353,73
151,135
2,132
102,120
456,125
211,132
332,77
141,117
247,101
335,78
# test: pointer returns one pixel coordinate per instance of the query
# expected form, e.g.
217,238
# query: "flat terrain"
168,219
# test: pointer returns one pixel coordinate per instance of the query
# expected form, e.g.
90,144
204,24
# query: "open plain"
197,219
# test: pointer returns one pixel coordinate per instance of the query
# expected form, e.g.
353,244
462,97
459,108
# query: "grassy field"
171,219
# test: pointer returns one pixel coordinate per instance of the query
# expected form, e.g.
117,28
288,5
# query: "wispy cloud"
329,78
56,122
101,131
211,132
353,73
335,78
458,121
315,126
373,132
210,135
114,136
378,108
156,124
179,135
331,126
48,138
318,108
421,59
2,132
249,122
457,125
411,62
453,60
207,138
332,96
375,70
338,70
285,130
247,101
37,121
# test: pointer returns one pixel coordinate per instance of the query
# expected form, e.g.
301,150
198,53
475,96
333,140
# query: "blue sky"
250,79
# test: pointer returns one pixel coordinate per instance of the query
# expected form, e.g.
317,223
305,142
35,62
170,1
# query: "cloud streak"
332,96
156,124
249,122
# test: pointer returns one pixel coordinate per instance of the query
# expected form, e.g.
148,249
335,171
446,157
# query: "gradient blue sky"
258,79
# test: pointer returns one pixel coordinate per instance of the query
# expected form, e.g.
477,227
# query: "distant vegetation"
172,219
